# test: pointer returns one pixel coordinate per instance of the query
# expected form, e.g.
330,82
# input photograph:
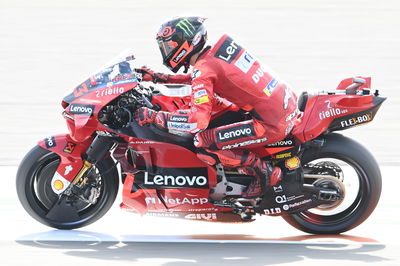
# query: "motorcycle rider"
224,74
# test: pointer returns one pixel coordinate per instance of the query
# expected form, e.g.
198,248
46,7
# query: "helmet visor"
167,48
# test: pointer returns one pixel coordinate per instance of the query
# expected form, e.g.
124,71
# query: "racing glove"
150,75
146,116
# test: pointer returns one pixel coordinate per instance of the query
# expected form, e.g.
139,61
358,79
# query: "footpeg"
247,216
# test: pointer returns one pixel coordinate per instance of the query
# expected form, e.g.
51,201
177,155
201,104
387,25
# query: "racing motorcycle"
330,182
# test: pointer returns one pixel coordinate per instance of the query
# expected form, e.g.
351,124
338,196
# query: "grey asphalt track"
47,47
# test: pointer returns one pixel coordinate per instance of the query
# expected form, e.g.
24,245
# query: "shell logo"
292,163
58,184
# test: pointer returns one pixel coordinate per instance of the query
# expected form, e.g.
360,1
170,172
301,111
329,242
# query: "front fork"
78,178
72,181
76,158
95,153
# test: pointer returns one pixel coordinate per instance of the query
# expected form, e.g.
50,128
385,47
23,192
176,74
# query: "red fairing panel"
182,183
321,110
82,127
85,109
70,153
166,200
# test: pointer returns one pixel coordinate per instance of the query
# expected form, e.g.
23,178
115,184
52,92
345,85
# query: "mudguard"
70,153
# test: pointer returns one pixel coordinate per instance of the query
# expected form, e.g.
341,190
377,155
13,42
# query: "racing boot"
265,175
245,162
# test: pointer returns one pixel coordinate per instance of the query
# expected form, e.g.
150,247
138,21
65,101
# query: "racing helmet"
179,39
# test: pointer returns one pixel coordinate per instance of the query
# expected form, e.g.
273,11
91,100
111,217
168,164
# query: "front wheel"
65,211
356,170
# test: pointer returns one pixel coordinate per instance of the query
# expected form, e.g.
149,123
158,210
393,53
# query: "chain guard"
291,195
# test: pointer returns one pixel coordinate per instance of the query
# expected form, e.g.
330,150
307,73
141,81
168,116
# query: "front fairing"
117,71
84,103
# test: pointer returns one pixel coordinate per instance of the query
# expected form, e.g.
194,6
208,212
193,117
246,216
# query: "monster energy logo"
185,25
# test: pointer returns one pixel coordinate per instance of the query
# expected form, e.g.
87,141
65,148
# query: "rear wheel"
68,211
356,172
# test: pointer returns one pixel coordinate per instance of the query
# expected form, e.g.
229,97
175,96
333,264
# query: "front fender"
70,153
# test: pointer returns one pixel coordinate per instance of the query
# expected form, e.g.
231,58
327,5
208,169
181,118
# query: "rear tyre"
351,157
34,191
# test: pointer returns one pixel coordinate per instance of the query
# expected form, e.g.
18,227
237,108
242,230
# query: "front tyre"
348,161
35,193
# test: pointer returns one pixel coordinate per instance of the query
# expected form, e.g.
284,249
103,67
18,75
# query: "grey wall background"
48,47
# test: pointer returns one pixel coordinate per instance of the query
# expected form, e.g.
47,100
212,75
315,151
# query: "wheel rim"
357,189
39,188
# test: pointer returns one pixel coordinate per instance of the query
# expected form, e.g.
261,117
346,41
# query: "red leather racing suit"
229,71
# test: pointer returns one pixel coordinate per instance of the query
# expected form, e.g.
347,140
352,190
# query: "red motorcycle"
331,183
